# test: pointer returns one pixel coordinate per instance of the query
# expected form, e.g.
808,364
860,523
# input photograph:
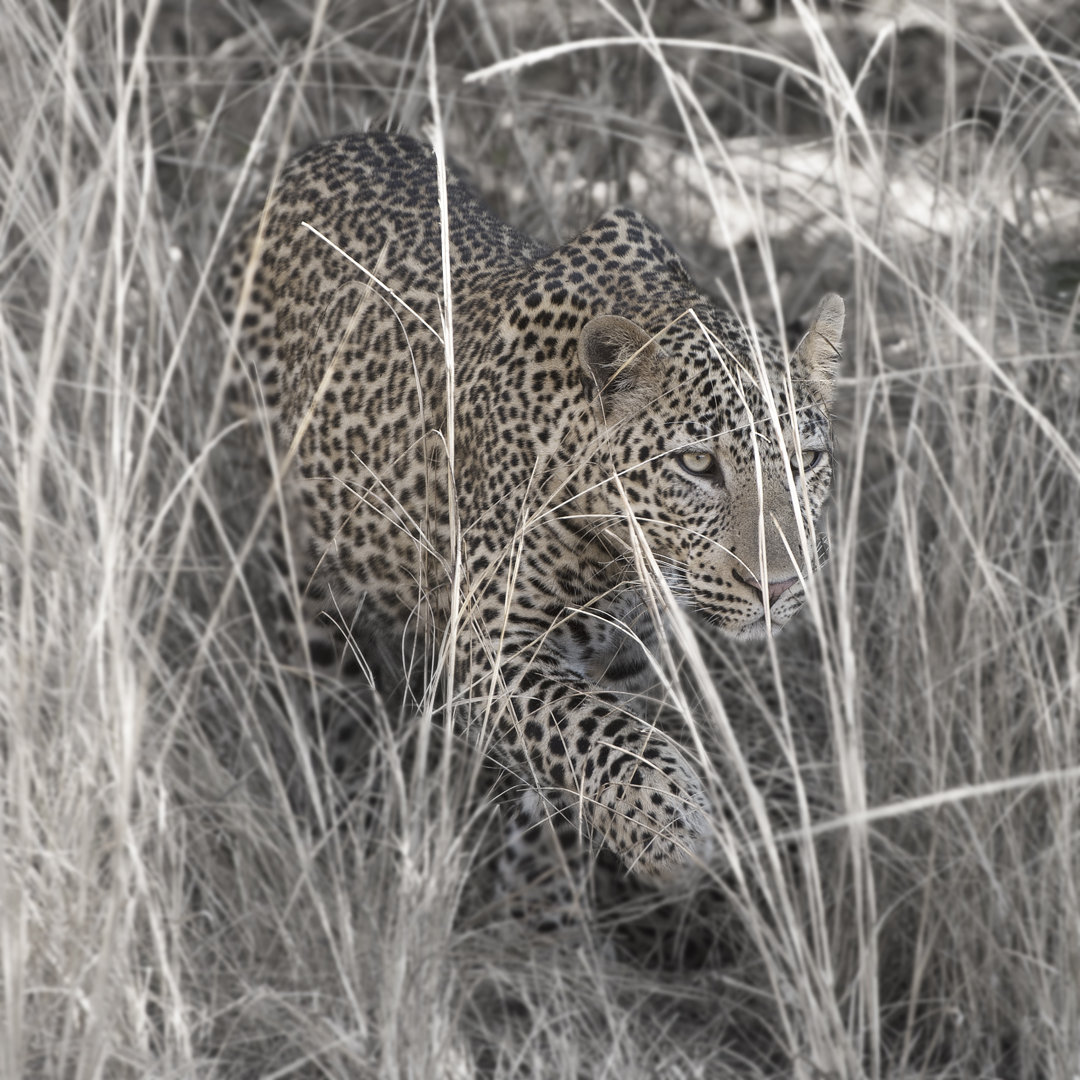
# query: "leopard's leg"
582,748
543,870
322,740
324,663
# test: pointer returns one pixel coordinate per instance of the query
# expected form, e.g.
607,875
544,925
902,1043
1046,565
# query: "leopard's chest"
611,643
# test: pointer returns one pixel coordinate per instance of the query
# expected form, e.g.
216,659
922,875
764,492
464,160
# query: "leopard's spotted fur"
610,429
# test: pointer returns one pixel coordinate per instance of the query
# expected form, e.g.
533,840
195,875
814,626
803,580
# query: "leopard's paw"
650,808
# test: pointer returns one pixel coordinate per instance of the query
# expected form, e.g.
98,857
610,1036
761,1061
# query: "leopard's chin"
755,627
748,624
758,630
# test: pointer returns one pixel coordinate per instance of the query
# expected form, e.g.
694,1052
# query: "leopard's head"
717,456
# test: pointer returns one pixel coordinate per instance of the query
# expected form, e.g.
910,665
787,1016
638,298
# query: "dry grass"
903,767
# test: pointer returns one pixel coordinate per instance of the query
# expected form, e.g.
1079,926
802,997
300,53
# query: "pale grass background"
903,765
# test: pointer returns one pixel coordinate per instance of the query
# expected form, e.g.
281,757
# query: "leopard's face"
724,481
705,500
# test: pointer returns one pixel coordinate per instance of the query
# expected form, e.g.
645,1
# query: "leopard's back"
366,422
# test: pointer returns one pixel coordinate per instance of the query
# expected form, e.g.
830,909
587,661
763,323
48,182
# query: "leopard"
529,458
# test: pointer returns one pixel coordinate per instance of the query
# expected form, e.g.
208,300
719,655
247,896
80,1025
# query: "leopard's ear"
617,357
815,357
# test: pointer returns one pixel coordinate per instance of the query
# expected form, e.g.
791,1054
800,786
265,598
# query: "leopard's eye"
697,462
811,459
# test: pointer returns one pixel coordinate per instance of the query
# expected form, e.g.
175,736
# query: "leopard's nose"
776,589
